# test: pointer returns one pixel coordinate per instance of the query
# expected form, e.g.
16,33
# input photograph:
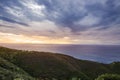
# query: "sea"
98,53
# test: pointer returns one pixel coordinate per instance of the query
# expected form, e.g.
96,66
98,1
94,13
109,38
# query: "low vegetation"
9,71
109,77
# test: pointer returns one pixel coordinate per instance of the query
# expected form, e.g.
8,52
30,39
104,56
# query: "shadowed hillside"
9,71
52,66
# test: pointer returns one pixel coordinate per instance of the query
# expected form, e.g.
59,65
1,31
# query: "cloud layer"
90,21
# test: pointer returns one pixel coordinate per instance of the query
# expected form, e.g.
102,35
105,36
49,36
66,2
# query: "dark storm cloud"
109,13
12,21
67,13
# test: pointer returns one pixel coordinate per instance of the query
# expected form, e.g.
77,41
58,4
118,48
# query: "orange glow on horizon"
13,38
27,39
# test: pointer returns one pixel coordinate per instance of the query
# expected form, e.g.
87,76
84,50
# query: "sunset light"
13,38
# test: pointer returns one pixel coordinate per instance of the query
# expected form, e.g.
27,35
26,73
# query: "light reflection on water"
99,53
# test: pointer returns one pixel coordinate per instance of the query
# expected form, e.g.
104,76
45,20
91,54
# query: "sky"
60,21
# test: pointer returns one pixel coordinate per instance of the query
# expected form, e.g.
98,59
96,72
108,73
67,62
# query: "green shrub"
109,77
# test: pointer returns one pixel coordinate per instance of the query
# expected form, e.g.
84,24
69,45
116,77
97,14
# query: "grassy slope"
9,71
44,64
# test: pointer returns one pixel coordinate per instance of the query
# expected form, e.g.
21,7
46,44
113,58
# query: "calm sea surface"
99,53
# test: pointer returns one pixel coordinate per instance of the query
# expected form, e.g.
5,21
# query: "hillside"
49,66
9,71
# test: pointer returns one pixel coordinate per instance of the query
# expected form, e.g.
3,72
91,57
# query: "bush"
109,77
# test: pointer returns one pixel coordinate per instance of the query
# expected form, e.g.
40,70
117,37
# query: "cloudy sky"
60,21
